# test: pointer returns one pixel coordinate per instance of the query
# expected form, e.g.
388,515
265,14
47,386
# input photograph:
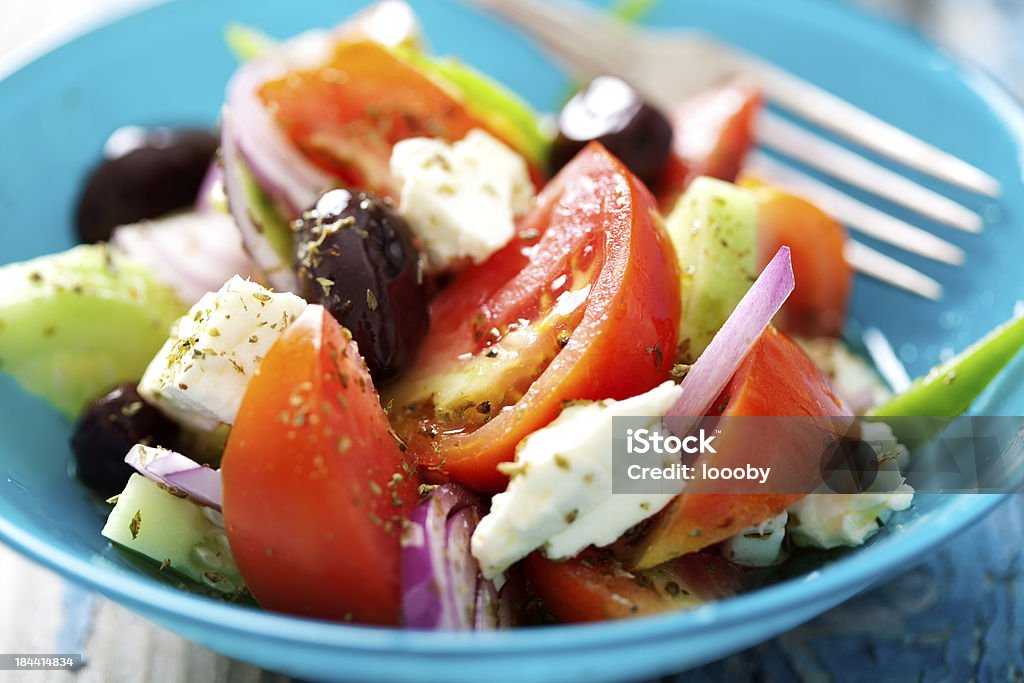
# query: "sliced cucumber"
175,533
264,213
247,42
76,323
713,229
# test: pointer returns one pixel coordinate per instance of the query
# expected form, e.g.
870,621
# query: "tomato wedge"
595,586
776,378
583,304
347,114
712,132
824,279
314,486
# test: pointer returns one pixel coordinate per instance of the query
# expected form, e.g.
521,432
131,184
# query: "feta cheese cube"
561,478
461,199
199,376
603,525
832,520
758,546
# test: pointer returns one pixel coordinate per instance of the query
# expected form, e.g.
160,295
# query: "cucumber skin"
267,216
174,529
76,323
713,228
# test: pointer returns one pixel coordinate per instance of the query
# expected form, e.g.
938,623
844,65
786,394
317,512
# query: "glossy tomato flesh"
824,279
775,379
595,586
315,491
583,304
347,114
712,132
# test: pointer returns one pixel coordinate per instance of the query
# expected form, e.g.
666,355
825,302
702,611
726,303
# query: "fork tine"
844,119
855,214
877,265
839,162
586,39
886,360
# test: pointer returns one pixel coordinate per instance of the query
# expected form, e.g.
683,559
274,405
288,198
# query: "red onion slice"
214,177
709,375
252,142
487,605
275,268
193,253
175,470
440,577
282,171
462,568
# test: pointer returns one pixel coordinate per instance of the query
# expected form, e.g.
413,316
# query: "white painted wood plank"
123,647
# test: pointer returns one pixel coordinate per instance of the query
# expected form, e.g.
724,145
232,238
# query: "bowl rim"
850,573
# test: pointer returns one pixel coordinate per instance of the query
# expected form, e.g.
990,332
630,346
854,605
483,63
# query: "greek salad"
357,355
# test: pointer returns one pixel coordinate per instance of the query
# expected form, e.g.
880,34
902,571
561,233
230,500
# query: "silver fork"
591,43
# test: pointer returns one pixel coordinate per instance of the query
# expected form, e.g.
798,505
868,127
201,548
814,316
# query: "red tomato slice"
817,307
712,132
596,587
583,304
314,485
776,378
347,114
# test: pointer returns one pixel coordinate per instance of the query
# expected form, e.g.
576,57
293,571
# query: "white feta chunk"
855,380
200,375
892,456
758,546
606,523
562,477
461,199
832,520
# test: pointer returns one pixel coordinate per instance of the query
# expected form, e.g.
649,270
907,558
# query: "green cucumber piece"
506,113
76,323
175,533
247,42
632,11
949,388
713,227
264,213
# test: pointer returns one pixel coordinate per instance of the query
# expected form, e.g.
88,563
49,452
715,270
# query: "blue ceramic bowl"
169,65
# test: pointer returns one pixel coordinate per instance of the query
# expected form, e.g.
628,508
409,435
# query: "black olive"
146,173
110,426
356,256
610,111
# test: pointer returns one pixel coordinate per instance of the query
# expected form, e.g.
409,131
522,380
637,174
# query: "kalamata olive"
108,429
356,256
610,111
146,173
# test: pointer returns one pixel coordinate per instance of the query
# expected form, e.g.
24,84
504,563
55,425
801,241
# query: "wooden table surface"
956,617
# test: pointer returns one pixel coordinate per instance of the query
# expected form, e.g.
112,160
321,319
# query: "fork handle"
591,43
581,37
